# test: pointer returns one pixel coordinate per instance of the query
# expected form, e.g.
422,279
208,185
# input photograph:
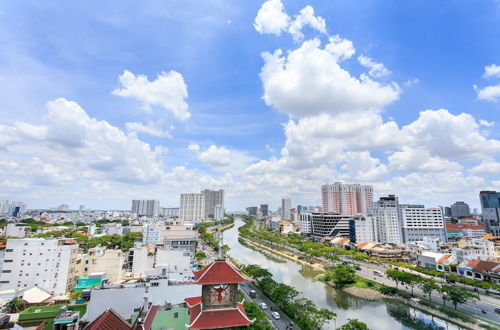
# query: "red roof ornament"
220,272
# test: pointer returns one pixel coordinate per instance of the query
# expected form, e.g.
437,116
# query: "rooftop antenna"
220,257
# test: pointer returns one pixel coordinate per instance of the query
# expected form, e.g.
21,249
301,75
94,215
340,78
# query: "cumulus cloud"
272,19
221,158
309,81
492,70
376,69
487,166
168,91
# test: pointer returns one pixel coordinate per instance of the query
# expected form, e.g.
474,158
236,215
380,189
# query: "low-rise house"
179,237
17,230
480,270
36,296
286,227
436,261
391,252
476,248
34,316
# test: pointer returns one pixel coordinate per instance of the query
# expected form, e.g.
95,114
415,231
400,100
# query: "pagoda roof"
216,318
220,272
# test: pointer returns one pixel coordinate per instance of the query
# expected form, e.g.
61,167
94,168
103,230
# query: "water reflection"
381,314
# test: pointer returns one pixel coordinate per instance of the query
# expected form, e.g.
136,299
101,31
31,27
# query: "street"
283,323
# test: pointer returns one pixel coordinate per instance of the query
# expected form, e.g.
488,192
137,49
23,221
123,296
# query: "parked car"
357,267
276,315
253,294
345,262
263,305
497,309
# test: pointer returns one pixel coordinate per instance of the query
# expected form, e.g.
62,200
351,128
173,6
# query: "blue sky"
102,103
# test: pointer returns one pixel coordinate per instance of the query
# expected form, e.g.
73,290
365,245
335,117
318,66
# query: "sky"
102,102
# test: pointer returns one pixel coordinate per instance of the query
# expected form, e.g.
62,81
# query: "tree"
457,295
200,255
428,286
394,275
342,275
354,324
15,305
254,312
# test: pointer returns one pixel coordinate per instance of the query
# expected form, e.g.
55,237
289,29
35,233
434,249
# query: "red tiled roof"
191,301
219,271
217,318
473,263
150,317
487,266
472,227
443,258
109,320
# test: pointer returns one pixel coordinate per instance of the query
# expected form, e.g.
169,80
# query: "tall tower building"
264,208
387,220
146,207
286,205
346,199
490,204
460,209
192,207
418,222
213,198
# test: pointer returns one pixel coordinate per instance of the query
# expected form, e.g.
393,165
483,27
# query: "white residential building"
219,212
151,234
146,207
15,230
305,219
364,229
475,248
387,225
139,261
419,222
176,260
49,264
212,199
286,205
192,207
170,211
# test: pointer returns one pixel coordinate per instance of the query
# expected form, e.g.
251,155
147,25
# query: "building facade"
213,198
330,224
192,207
460,209
348,199
305,220
264,208
49,264
419,222
490,204
286,205
362,229
387,227
252,211
146,207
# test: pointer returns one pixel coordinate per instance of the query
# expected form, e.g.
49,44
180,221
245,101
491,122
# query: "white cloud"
376,69
150,128
487,166
221,158
340,49
309,81
488,93
492,70
415,159
271,18
411,82
486,123
305,18
168,91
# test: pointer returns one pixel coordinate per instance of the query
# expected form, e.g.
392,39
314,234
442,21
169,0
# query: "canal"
382,314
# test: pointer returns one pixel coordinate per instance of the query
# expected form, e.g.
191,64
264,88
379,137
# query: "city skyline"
161,99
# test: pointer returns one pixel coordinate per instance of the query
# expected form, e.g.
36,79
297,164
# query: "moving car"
276,315
253,293
357,267
376,272
497,309
263,305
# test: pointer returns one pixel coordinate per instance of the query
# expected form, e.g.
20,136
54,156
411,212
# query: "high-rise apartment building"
252,211
418,222
15,209
386,215
286,205
49,264
146,207
490,204
305,221
213,198
362,229
460,209
347,199
264,208
192,207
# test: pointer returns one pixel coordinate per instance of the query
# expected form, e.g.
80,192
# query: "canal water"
386,314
